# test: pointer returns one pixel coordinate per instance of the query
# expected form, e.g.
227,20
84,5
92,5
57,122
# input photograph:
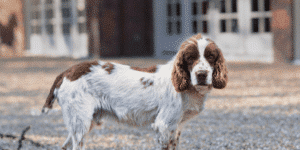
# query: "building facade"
241,28
245,30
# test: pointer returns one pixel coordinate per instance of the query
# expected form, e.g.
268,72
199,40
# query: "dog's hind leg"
64,146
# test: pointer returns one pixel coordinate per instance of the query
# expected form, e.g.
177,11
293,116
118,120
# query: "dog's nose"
201,77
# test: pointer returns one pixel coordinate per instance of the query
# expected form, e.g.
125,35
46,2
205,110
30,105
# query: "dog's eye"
190,59
210,57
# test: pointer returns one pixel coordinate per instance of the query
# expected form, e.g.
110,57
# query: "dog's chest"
193,106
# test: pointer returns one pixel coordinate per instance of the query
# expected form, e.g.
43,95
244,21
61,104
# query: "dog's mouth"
203,88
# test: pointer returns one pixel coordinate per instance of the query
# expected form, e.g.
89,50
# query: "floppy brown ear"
220,77
180,75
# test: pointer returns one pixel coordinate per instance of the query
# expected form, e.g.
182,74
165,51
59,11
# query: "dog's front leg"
173,141
168,135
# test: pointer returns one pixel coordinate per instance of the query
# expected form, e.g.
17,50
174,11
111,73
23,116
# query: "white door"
58,28
241,28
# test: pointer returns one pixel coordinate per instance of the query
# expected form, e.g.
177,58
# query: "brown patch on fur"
185,59
72,74
78,70
151,69
173,141
108,67
187,115
216,59
145,82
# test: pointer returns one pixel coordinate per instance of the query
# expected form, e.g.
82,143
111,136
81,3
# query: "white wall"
74,44
241,46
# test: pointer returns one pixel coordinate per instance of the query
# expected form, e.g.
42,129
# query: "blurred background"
246,30
258,109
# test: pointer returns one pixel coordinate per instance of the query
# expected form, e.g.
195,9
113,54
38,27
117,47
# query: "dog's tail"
52,96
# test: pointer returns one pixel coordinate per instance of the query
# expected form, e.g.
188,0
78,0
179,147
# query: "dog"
161,97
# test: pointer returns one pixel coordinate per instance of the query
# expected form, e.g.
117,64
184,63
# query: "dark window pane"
267,5
49,1
234,27
267,25
223,25
195,26
66,28
178,9
66,12
205,7
35,2
36,29
254,5
195,8
178,27
204,27
36,15
81,13
255,22
81,27
49,29
49,14
233,6
169,10
169,28
223,7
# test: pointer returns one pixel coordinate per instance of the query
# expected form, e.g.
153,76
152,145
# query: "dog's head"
199,64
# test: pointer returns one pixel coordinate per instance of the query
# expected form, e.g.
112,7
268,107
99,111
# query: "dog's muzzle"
201,77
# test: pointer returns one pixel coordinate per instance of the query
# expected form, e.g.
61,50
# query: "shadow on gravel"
272,127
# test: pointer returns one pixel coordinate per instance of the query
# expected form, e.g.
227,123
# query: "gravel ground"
259,109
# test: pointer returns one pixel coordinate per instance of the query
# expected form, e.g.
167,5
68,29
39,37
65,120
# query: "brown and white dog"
162,97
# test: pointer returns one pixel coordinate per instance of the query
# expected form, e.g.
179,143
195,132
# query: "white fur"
203,64
121,96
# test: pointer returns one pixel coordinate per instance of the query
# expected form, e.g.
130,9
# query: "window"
169,28
194,8
223,6
36,29
174,24
267,25
81,27
267,5
66,12
49,14
49,1
81,13
66,28
234,26
255,23
204,7
178,9
254,5
169,10
49,29
35,2
204,26
233,6
178,27
223,25
195,26
36,15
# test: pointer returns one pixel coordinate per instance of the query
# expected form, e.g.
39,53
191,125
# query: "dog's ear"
220,77
180,73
